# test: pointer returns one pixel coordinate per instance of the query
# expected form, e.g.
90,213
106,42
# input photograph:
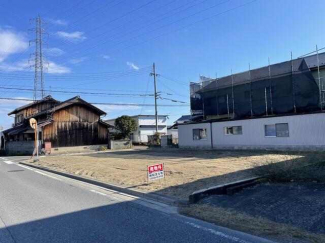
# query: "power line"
161,27
71,77
146,25
173,80
156,18
83,18
122,16
144,99
77,92
78,75
173,91
99,103
185,26
176,101
64,88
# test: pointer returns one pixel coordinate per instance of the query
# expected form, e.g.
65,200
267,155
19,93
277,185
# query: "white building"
146,125
295,132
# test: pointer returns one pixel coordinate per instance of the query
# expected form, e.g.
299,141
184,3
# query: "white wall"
173,132
185,136
141,134
151,120
305,132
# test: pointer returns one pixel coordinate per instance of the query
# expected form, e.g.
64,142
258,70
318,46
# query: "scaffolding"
290,87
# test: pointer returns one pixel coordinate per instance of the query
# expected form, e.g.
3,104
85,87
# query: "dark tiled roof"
45,99
77,100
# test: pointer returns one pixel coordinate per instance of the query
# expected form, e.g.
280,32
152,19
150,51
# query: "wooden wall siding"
35,109
75,114
102,133
75,126
63,134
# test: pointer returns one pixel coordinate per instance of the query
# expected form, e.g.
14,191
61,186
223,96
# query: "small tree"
125,125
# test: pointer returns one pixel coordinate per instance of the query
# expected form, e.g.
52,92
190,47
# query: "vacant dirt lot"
186,171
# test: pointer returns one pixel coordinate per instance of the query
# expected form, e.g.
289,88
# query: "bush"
125,125
117,136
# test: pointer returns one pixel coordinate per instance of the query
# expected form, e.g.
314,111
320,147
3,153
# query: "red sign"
156,172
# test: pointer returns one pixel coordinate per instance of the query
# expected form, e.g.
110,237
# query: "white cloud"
11,42
24,65
107,57
132,66
7,106
14,67
54,68
73,36
77,60
54,52
58,22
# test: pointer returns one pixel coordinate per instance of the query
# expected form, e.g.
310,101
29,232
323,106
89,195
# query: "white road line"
25,167
100,193
41,173
8,162
218,233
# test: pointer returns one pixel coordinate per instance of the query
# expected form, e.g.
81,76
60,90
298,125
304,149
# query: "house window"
236,130
199,134
277,130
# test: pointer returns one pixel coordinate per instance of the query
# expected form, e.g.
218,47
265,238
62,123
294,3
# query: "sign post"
33,124
156,172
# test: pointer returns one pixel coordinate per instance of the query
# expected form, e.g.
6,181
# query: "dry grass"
310,168
246,223
186,171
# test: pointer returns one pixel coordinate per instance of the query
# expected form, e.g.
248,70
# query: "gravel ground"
301,205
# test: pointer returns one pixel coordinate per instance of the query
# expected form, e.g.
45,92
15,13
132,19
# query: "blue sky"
109,46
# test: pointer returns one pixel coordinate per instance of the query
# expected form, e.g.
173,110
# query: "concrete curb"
150,196
228,188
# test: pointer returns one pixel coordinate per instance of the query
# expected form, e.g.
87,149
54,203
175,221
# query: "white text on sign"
156,172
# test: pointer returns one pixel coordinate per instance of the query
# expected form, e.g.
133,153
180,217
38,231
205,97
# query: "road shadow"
115,222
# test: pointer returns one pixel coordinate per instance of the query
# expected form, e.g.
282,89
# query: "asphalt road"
38,207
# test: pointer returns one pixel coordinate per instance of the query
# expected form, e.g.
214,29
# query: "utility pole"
38,58
250,88
154,74
293,87
320,86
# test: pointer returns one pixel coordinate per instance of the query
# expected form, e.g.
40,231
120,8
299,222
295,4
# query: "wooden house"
73,122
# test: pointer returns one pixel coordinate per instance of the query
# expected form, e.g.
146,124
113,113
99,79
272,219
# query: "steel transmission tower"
38,58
